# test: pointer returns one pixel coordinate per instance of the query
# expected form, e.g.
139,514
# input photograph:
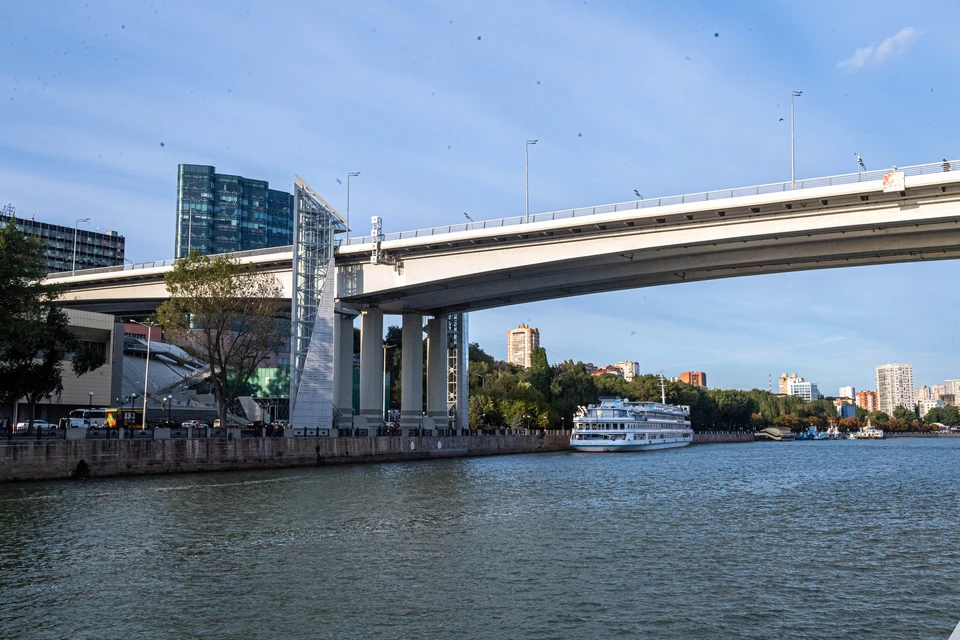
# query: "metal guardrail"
704,196
166,263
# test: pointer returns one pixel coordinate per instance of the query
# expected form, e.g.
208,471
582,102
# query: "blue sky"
432,103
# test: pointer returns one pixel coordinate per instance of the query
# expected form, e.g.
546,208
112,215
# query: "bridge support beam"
436,374
343,371
371,372
411,374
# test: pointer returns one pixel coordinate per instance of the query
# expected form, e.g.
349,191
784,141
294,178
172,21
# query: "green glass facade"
220,213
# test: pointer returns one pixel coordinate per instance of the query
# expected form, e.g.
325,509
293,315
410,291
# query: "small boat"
869,432
812,434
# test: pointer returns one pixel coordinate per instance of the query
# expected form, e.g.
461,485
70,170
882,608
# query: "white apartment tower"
630,370
847,392
520,345
894,387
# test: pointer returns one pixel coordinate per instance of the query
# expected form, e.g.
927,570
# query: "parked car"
23,426
193,423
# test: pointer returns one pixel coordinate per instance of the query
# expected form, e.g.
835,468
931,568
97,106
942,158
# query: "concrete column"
343,369
437,372
371,371
411,374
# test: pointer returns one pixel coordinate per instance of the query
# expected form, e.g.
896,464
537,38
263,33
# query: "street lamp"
793,153
385,347
483,379
146,373
91,400
75,229
169,407
353,174
529,142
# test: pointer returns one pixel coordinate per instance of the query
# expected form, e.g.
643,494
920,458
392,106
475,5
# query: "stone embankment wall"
710,437
60,459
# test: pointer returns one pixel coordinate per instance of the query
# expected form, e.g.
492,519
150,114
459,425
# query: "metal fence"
703,196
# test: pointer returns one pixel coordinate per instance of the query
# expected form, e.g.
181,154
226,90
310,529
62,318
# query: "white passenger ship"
620,425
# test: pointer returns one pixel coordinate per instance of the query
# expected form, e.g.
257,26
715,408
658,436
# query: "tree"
35,336
540,373
227,314
902,413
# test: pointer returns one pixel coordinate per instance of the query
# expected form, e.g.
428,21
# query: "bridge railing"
703,196
166,263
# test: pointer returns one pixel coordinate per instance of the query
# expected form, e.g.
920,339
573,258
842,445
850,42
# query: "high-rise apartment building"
894,387
695,378
952,387
937,390
630,370
520,344
867,400
806,390
219,213
923,393
847,392
785,381
92,248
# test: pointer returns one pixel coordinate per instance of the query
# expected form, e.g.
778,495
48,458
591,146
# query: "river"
765,540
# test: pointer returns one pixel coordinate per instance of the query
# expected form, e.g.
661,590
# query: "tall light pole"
527,147
146,373
353,174
793,152
75,228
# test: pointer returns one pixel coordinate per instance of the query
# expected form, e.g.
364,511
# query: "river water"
765,540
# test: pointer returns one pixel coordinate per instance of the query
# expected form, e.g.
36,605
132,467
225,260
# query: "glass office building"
93,249
219,213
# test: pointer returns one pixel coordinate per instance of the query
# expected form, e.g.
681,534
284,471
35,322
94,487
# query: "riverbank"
66,459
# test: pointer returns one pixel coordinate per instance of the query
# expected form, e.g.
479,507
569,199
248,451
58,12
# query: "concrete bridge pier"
343,369
411,374
371,372
436,374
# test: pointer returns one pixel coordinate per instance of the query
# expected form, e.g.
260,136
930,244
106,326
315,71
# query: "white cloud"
877,55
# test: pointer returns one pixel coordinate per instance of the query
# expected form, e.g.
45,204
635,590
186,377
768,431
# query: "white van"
86,418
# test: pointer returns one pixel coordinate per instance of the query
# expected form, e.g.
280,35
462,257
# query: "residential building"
630,370
93,249
894,387
952,387
785,380
219,213
926,404
867,400
847,392
806,390
937,390
923,393
520,344
695,378
611,369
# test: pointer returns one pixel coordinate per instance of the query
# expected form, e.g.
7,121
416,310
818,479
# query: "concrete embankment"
59,459
63,459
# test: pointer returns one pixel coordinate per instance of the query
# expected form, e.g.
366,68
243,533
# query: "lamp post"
352,174
146,373
385,407
169,408
527,216
793,153
90,406
76,227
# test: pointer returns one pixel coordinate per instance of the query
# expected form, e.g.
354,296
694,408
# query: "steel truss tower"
311,324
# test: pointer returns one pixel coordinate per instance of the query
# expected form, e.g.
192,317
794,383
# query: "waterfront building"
785,381
695,378
93,249
867,400
894,387
806,390
630,370
520,344
847,392
926,404
219,213
923,393
937,390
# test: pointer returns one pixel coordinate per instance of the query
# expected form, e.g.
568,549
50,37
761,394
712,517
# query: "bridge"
898,215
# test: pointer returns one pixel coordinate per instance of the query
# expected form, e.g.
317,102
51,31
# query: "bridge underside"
633,259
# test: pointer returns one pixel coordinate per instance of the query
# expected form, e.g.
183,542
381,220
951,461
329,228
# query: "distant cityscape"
894,382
